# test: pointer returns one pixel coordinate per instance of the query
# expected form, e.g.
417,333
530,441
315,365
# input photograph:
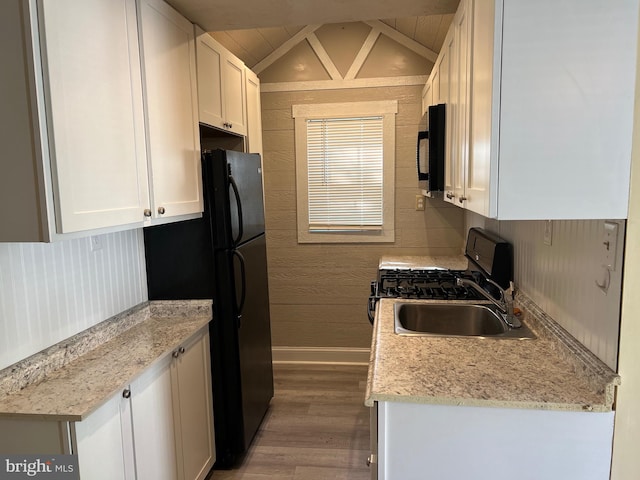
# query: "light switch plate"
96,243
609,244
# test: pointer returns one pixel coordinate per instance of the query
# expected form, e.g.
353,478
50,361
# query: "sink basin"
453,319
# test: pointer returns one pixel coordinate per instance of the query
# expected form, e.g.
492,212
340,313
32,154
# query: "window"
345,171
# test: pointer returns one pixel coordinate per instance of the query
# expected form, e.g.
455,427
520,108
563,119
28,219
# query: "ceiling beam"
402,39
323,56
362,55
283,49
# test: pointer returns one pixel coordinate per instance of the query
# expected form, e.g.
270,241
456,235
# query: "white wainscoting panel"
49,292
561,278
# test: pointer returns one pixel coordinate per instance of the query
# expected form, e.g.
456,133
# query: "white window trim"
388,109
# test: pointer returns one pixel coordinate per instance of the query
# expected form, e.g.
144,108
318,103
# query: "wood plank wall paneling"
49,292
319,292
561,278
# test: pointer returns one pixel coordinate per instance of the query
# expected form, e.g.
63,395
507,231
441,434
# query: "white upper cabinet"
96,138
171,104
72,118
254,113
427,96
551,126
221,86
460,93
536,128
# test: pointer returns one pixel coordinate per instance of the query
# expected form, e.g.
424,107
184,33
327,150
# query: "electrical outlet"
609,244
548,232
96,243
420,202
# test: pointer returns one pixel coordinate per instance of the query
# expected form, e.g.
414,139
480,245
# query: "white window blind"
345,173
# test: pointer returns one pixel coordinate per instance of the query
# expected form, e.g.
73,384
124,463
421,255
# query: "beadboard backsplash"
561,278
49,292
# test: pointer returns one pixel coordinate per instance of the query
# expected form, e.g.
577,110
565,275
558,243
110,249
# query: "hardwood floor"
317,427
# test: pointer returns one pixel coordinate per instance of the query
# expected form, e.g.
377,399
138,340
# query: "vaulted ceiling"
254,45
253,29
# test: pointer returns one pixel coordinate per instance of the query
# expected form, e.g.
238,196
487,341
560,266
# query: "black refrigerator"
223,256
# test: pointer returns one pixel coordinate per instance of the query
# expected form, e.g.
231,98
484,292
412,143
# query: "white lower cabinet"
152,420
104,442
446,442
193,409
159,427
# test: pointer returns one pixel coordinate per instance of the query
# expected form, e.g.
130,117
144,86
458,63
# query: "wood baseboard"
326,355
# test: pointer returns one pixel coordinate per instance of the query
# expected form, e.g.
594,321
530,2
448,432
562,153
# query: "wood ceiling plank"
275,36
427,29
284,48
404,40
228,42
407,26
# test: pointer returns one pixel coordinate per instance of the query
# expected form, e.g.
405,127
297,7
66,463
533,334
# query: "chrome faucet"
505,304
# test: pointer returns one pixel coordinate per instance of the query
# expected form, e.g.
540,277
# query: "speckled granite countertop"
551,372
71,379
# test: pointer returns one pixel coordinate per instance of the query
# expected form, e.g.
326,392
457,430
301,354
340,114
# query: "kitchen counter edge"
74,390
563,374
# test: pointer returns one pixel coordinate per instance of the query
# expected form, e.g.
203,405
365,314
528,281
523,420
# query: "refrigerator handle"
236,193
243,284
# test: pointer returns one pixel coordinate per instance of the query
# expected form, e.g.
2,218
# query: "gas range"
434,284
489,258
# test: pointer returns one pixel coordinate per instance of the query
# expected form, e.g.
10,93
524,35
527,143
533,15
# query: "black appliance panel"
245,171
198,259
491,254
431,150
179,260
254,333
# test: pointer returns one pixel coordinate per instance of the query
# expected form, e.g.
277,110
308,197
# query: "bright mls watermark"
50,467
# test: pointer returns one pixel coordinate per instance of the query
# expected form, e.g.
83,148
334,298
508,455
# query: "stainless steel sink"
453,319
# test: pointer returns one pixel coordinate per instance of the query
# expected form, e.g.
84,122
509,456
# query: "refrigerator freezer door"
254,335
246,170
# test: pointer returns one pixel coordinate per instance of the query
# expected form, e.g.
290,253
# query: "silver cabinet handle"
161,210
462,199
147,212
126,393
178,352
450,195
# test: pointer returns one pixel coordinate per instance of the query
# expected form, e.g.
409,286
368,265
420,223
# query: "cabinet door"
153,426
104,442
95,115
485,86
173,141
447,89
193,409
464,177
427,96
254,113
210,56
234,94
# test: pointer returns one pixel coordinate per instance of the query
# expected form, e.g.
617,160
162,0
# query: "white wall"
49,292
561,278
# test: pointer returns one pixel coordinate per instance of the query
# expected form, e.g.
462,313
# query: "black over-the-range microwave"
431,145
